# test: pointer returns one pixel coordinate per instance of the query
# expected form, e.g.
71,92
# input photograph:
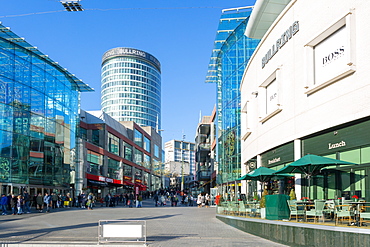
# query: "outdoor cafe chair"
364,215
220,209
317,211
295,211
233,208
248,208
223,208
343,211
329,208
256,210
242,209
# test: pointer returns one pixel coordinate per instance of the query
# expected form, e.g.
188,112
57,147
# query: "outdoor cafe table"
306,205
253,206
356,206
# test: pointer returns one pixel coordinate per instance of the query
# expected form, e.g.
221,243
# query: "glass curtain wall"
131,86
230,56
39,105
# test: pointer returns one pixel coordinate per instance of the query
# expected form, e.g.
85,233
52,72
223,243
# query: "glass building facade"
39,103
230,56
131,86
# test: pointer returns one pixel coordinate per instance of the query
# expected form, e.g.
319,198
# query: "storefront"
305,90
349,142
97,184
276,159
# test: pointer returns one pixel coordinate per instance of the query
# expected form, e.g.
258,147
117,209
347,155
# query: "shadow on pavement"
168,237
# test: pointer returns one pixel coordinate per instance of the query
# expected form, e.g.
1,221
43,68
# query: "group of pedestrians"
20,204
17,205
203,200
174,198
127,199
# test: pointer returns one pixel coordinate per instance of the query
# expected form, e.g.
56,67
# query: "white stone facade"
317,79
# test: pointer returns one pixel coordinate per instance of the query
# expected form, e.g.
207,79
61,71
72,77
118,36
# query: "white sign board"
271,97
122,231
330,56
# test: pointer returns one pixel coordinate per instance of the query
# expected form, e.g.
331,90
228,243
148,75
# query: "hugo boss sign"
339,52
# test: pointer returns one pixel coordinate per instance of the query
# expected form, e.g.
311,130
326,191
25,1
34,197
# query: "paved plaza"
166,226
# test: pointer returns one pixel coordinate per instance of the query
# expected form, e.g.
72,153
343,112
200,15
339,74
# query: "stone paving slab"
166,226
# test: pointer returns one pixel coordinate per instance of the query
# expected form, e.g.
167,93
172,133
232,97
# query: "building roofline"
8,35
263,15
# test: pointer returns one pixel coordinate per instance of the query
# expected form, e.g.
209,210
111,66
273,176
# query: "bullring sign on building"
280,42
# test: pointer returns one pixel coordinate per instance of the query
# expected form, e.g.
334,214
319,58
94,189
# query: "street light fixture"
72,5
182,163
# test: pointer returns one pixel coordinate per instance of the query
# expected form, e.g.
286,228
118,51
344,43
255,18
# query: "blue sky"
179,34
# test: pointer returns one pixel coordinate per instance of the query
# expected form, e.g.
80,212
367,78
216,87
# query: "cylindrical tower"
131,86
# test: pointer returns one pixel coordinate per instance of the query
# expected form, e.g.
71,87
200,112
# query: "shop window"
113,144
138,157
127,170
95,137
147,144
365,155
330,56
83,133
270,96
353,156
245,116
95,163
147,163
114,169
128,153
360,182
345,183
319,182
138,139
332,192
156,151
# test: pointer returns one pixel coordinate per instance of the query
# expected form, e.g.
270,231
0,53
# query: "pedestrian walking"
4,204
26,198
83,200
39,203
203,199
199,200
47,202
54,199
175,200
186,200
131,199
107,200
207,200
139,199
13,204
20,205
9,200
156,198
191,200
163,200
90,201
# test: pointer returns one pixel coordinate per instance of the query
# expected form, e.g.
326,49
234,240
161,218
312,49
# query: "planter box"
263,213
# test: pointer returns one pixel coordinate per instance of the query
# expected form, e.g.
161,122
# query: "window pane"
365,155
138,138
351,156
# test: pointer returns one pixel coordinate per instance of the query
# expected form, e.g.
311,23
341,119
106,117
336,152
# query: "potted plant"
255,197
263,204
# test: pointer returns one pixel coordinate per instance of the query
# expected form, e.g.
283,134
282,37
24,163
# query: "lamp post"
182,163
